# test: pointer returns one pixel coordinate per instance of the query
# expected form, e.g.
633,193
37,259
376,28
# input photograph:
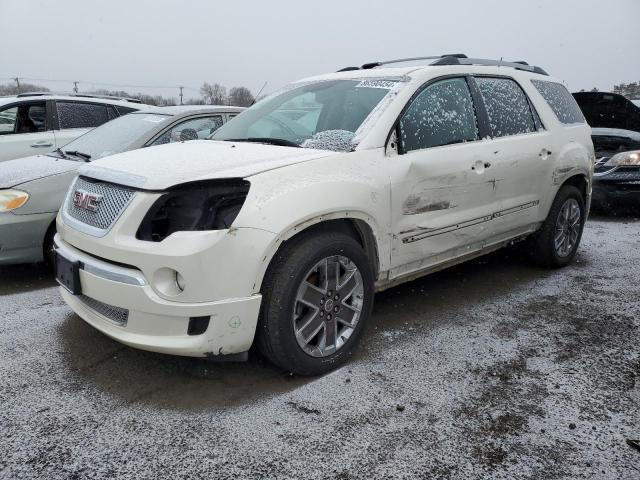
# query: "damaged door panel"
442,182
442,199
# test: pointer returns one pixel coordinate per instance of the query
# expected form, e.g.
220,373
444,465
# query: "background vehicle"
615,123
35,123
37,185
282,233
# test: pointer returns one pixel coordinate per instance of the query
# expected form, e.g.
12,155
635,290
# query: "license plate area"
68,274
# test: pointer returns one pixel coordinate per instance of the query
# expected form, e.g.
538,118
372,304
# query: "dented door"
442,182
442,204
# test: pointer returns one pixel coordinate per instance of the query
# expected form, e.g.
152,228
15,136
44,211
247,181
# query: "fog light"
180,282
168,282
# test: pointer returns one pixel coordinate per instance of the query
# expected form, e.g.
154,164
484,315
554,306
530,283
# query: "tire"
543,246
47,247
292,310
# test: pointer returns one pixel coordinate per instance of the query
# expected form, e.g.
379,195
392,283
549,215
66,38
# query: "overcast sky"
585,43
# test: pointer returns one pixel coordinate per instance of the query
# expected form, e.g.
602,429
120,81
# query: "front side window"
323,114
442,114
194,129
29,118
80,115
507,107
560,100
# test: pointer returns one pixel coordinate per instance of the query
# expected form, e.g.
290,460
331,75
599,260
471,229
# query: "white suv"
280,231
35,123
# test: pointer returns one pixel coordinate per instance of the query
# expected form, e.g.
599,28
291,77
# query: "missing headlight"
211,205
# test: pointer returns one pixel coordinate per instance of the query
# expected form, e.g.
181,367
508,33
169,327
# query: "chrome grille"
114,200
115,314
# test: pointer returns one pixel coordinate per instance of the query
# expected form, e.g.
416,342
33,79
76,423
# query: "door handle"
544,153
40,144
480,165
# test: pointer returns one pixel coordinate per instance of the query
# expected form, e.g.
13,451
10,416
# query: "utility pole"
181,95
75,87
17,83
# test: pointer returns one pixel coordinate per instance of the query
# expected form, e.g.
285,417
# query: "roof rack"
74,94
454,59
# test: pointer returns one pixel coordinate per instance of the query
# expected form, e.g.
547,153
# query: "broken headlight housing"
198,206
624,159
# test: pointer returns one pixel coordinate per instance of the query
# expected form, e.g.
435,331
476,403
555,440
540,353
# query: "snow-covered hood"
22,170
157,168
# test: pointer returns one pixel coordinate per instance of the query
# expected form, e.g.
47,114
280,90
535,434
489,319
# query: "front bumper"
22,237
119,302
621,187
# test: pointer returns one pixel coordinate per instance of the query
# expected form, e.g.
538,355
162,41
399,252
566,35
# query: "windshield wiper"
85,156
272,141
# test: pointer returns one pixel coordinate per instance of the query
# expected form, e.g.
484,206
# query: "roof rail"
74,94
519,65
454,59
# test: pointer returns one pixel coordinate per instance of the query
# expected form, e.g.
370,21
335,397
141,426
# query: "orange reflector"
15,203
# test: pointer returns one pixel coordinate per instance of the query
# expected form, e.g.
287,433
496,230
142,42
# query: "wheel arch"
581,182
359,226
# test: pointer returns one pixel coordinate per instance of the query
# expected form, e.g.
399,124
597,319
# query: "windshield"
323,114
115,136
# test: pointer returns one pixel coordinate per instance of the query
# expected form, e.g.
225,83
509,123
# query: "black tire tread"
275,289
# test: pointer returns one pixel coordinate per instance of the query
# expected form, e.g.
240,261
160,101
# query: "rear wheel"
556,243
317,298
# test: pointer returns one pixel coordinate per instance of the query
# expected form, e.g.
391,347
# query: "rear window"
560,100
507,107
80,115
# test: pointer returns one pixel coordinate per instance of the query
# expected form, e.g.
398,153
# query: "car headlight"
12,199
624,159
212,205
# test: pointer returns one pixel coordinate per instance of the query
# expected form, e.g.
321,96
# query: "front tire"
556,243
317,299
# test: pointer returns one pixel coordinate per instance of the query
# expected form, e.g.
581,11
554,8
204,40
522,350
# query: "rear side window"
442,114
80,115
507,107
124,110
560,100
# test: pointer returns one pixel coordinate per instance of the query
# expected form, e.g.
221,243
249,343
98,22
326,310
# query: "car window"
193,129
507,106
124,110
116,136
26,118
441,114
324,114
112,112
8,120
562,103
81,115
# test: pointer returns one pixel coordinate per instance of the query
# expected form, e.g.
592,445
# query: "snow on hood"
616,132
22,170
157,168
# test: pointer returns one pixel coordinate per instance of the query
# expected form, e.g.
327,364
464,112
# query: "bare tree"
240,97
12,88
214,94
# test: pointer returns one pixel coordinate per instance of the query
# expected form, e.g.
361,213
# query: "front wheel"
317,298
556,243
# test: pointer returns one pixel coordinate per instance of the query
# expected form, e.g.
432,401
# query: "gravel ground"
492,369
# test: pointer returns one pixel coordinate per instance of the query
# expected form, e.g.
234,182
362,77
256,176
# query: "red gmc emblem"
87,200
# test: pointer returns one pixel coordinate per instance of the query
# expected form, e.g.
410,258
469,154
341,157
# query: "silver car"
33,188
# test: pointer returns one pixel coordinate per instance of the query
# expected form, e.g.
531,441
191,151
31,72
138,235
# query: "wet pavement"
492,369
